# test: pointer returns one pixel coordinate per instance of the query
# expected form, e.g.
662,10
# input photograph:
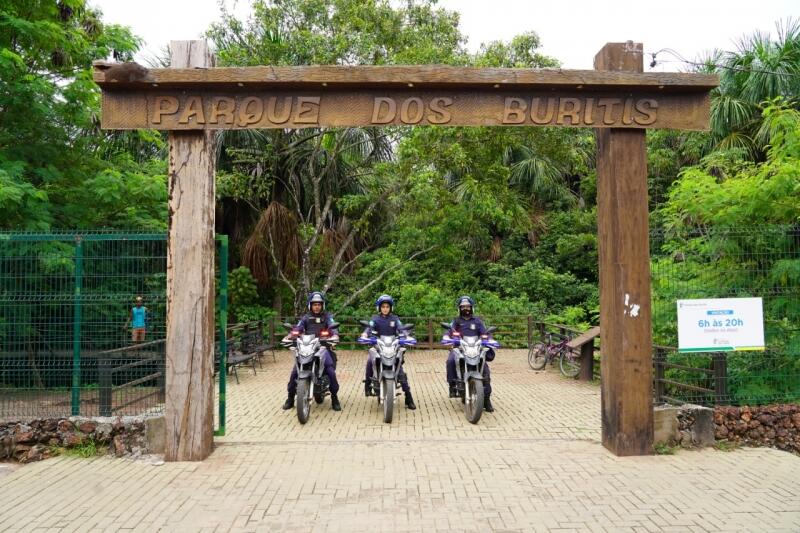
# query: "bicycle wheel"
569,364
537,356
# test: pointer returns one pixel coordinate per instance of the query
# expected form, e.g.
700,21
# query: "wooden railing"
110,363
710,386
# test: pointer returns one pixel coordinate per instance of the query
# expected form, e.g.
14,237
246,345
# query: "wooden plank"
624,260
130,74
189,399
582,339
201,107
686,386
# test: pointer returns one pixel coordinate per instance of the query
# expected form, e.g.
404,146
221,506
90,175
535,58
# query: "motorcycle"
470,360
386,365
312,382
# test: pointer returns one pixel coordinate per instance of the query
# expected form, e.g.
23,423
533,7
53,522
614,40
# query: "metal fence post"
223,330
720,364
76,329
430,334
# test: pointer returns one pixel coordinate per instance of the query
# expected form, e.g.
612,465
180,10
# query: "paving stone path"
536,464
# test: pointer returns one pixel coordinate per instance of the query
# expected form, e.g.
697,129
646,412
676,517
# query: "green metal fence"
66,342
728,263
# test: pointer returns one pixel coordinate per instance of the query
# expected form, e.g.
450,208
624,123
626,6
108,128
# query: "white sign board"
719,325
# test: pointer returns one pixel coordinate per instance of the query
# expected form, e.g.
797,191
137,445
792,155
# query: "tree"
309,208
760,70
54,161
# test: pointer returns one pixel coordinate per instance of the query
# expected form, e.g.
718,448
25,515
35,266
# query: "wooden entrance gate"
192,98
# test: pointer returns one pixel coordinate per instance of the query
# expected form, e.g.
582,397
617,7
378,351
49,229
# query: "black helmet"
465,300
384,298
314,297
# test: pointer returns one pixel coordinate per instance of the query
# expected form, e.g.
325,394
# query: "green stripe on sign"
707,349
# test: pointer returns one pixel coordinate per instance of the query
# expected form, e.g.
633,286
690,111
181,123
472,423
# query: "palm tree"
292,221
760,70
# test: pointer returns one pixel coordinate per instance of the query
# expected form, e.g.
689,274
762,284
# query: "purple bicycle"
542,353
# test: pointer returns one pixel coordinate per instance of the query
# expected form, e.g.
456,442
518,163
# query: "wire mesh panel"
729,263
68,344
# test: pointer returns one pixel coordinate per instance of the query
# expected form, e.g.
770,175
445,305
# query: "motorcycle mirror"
287,325
408,327
491,329
333,325
364,323
445,325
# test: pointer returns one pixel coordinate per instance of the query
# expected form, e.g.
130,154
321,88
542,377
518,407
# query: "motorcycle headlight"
387,353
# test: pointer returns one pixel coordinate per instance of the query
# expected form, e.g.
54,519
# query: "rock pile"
39,439
776,426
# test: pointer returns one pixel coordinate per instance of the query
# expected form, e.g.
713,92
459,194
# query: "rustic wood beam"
190,282
301,97
624,257
109,75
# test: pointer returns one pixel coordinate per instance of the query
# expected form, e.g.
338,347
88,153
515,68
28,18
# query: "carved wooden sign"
154,99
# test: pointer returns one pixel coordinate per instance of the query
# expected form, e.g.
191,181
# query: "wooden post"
104,369
530,331
190,282
430,334
623,245
587,361
720,362
660,388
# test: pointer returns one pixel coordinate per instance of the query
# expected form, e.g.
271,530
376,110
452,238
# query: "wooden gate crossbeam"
318,96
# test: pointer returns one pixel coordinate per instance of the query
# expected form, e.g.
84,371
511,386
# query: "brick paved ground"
534,465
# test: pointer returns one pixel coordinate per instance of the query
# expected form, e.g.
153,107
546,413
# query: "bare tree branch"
278,266
382,274
335,271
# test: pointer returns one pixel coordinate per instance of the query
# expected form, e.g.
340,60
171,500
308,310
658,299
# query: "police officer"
385,323
469,325
312,323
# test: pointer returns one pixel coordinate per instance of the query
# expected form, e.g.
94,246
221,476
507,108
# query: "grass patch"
662,448
725,445
85,450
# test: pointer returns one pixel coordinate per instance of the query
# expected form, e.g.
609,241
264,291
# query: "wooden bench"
585,343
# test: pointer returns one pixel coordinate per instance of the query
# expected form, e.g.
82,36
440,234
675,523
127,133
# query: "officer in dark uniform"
386,323
469,325
312,323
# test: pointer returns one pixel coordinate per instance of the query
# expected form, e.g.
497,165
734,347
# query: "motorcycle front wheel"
388,400
303,403
473,404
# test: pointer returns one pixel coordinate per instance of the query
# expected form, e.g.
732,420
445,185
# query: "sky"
571,30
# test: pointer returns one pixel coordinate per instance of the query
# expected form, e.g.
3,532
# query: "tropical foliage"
505,214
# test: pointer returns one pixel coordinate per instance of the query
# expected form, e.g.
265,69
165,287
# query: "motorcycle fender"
304,374
474,375
388,373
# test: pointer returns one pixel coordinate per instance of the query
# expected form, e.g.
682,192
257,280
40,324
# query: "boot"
335,405
367,388
289,403
487,404
410,401
453,390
